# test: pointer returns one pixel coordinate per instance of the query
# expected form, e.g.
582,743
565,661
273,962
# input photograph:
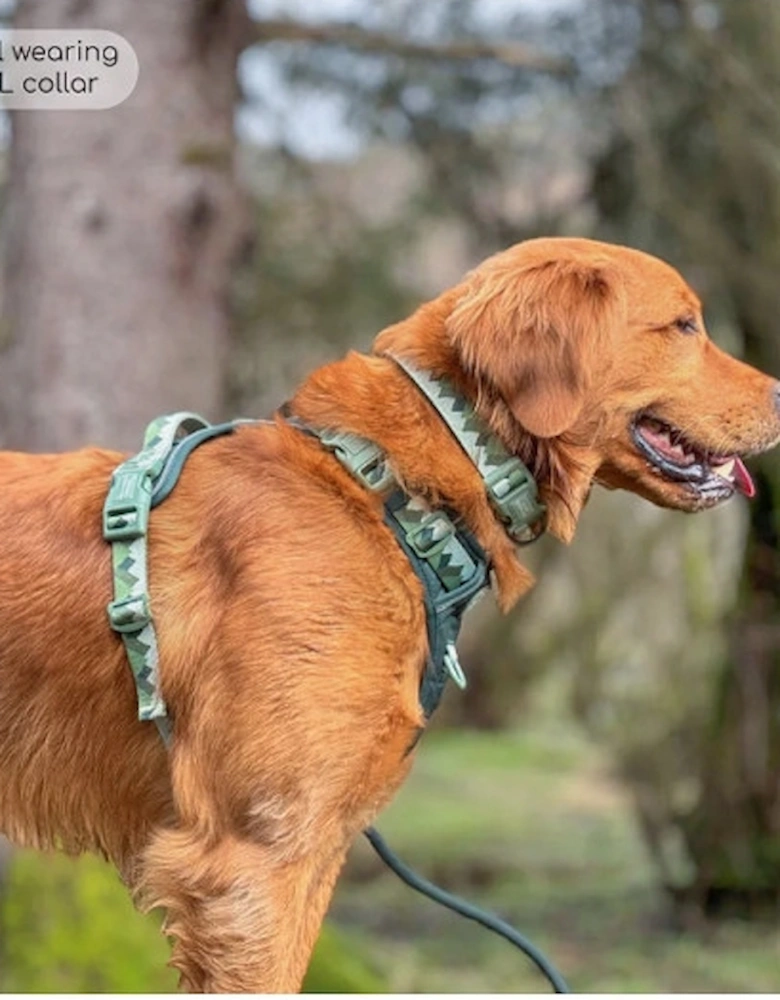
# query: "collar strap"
511,488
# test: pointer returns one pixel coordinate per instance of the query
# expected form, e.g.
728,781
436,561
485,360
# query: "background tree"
120,230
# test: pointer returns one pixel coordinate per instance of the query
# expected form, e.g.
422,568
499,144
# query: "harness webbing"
447,559
125,522
452,582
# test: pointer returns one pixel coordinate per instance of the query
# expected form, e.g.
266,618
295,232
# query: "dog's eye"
687,324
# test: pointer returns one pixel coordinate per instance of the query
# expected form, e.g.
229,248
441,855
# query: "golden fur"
291,626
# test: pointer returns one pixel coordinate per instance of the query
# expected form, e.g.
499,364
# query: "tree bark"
120,230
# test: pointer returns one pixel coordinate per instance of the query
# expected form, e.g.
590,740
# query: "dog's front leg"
244,917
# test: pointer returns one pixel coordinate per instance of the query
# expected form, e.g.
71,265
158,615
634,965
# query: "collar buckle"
513,493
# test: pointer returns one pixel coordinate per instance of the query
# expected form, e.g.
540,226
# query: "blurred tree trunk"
120,230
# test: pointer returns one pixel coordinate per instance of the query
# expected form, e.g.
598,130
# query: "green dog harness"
448,560
445,556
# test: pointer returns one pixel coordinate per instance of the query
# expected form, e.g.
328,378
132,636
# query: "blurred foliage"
68,926
338,966
691,171
667,137
318,276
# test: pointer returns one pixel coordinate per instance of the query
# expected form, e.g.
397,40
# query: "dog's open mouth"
675,457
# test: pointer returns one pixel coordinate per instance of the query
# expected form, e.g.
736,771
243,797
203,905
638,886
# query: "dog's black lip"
698,475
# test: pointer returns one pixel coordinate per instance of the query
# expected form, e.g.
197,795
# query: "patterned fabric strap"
451,566
125,522
509,484
430,534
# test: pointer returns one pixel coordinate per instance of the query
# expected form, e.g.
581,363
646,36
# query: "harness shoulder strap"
448,560
131,495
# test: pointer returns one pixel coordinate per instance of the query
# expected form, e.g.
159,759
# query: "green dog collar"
509,484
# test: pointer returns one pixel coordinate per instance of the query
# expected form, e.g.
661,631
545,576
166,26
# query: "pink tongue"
742,479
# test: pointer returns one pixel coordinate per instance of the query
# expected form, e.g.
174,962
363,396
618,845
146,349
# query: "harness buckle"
365,460
431,535
126,511
130,614
513,492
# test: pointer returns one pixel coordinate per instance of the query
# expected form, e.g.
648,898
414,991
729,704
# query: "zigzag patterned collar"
510,486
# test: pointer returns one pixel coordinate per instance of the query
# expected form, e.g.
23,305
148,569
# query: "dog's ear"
537,335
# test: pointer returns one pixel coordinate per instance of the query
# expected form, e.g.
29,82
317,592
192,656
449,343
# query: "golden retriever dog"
291,625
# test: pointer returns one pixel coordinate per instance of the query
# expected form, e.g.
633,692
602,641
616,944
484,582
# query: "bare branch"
512,54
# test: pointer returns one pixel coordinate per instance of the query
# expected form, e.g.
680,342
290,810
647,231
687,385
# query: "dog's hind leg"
243,917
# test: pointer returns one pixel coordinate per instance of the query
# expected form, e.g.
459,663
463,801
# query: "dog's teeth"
725,471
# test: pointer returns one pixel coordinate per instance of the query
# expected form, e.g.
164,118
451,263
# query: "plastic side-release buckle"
513,492
430,536
130,614
363,458
126,511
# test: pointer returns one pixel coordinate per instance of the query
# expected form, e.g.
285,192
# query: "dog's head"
596,356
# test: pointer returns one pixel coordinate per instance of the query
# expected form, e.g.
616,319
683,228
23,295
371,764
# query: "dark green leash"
448,560
466,909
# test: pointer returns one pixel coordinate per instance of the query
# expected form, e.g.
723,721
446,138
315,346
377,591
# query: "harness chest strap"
447,559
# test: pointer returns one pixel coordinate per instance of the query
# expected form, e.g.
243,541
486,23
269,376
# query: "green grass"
69,927
530,824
